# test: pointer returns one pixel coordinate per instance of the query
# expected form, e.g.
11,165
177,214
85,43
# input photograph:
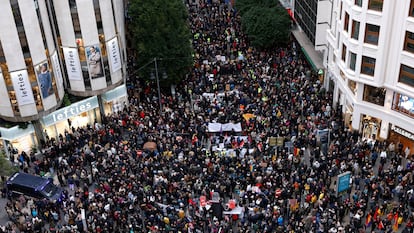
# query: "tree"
160,30
265,22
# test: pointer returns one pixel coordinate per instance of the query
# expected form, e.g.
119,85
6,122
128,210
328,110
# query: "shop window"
355,30
375,5
368,65
352,86
30,70
13,102
352,60
343,52
406,75
6,75
409,42
346,22
37,98
358,3
372,34
374,95
411,12
403,104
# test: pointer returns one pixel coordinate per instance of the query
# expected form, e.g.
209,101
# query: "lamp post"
164,76
158,85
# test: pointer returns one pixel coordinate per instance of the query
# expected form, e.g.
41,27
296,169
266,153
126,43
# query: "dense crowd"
249,185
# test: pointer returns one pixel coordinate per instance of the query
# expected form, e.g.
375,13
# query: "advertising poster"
94,58
44,79
72,63
22,88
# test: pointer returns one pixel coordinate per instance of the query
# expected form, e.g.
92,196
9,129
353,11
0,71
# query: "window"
355,30
409,42
375,5
411,12
406,75
358,2
352,60
346,22
372,34
368,65
343,52
374,95
403,104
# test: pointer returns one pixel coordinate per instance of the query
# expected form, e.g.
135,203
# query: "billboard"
44,79
94,59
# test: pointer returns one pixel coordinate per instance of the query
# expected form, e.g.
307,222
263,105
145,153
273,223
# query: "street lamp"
164,76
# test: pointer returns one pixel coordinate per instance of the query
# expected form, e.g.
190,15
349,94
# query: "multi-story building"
52,47
312,18
372,65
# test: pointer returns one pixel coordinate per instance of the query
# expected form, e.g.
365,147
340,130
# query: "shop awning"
115,93
309,59
308,48
70,111
15,132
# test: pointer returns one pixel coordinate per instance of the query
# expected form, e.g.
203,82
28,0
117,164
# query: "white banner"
22,87
57,71
114,55
217,127
72,63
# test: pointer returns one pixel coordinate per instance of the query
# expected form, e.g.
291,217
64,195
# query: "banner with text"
22,87
72,63
57,71
114,55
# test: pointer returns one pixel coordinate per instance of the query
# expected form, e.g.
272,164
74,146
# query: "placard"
22,88
114,55
94,60
72,64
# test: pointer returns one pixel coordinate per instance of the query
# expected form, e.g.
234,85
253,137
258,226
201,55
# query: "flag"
368,220
380,225
377,212
296,151
395,225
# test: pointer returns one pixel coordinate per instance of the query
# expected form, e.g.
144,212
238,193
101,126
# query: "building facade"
371,62
52,47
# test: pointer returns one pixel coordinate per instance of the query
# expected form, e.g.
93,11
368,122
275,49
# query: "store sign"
402,132
71,111
72,63
22,88
114,55
115,93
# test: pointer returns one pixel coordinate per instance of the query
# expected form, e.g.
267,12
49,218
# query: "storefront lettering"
402,132
71,111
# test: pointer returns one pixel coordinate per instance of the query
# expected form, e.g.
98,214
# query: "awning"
309,59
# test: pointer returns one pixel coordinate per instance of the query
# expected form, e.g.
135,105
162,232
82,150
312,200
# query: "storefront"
17,138
76,115
400,135
115,100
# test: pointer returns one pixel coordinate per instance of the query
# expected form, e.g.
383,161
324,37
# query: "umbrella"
248,116
150,146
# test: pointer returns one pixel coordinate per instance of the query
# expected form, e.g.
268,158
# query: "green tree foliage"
265,22
160,30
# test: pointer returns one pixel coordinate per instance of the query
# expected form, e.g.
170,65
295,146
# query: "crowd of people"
139,171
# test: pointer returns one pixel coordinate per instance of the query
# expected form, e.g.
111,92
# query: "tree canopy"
265,22
160,30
